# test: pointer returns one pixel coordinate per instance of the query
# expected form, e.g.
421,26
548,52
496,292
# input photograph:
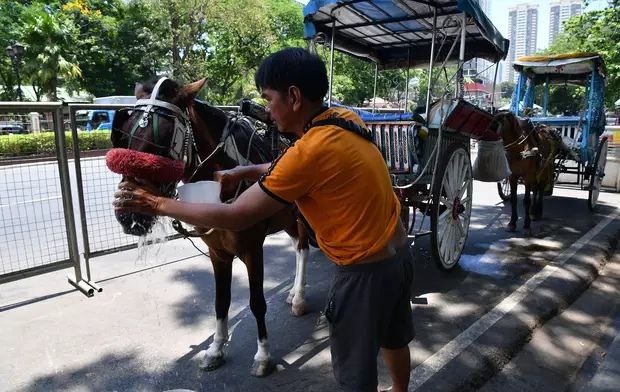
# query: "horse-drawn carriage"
169,136
585,152
428,156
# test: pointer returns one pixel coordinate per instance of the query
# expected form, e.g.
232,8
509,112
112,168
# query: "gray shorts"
368,307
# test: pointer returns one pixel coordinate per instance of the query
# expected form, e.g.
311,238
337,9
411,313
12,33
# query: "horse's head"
506,126
153,141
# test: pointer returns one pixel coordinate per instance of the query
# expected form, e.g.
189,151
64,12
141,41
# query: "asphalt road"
149,327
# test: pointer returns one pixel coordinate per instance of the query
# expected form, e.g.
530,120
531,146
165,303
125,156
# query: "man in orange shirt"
339,181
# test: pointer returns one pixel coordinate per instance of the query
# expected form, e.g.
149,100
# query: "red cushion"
139,164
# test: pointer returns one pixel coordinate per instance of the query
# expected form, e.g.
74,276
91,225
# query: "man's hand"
143,198
229,179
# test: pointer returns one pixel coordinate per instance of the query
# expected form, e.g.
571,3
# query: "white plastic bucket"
200,192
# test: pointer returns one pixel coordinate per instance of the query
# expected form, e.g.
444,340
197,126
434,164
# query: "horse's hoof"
299,309
289,299
511,228
262,368
211,363
527,232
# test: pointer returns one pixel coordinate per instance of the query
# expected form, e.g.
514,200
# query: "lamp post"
15,52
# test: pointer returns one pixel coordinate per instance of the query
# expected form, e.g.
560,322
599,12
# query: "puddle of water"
483,264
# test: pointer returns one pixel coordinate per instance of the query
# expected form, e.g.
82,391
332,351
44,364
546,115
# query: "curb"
482,359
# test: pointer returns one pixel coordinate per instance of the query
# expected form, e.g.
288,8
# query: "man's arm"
251,207
239,173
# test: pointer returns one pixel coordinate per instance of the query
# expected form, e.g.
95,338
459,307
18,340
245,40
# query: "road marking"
30,201
435,362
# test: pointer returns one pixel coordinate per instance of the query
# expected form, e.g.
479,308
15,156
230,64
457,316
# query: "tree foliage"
595,31
104,46
9,17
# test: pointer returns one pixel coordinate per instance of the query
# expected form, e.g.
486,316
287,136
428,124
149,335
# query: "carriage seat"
465,118
398,142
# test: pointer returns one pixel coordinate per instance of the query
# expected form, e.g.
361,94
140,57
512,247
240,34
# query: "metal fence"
38,232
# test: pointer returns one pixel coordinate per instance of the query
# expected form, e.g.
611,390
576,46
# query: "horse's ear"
189,91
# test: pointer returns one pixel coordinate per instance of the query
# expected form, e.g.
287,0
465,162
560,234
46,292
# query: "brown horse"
531,152
206,139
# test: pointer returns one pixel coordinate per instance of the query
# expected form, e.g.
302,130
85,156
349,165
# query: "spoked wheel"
596,178
503,189
452,201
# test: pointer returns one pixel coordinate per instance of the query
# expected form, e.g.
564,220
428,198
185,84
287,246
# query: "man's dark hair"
293,67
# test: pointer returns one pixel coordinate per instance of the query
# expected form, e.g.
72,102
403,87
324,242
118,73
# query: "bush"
44,143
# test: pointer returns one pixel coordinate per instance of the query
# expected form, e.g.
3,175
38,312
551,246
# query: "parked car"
9,128
99,120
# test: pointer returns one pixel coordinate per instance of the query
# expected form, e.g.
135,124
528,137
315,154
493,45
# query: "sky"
499,16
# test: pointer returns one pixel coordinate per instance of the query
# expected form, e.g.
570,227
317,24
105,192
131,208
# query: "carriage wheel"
503,189
596,178
452,201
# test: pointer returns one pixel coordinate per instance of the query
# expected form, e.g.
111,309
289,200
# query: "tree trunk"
174,28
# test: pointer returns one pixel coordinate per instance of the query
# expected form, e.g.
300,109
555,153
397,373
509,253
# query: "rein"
520,140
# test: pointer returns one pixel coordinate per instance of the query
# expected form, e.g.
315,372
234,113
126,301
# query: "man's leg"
398,362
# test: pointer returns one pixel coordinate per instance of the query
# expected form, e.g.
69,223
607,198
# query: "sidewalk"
561,350
607,378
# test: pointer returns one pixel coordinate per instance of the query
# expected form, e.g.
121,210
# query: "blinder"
150,112
118,137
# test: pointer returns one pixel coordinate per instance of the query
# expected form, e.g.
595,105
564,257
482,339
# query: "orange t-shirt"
341,184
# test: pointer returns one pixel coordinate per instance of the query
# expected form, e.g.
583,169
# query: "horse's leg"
297,295
538,202
512,225
526,207
539,210
222,270
253,260
534,207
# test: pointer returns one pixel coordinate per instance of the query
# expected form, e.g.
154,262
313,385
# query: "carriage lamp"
15,52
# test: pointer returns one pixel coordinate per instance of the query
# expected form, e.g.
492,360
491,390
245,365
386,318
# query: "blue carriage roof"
398,33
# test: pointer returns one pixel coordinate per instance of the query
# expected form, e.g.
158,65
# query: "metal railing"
38,232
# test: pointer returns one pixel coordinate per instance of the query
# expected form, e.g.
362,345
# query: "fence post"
80,194
67,201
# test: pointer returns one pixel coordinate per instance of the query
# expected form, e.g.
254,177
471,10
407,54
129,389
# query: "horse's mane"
242,131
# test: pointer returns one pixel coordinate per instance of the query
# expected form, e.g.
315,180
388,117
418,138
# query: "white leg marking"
299,287
262,354
220,338
291,294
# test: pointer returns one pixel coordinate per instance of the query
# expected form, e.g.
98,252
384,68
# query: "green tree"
10,15
507,88
595,31
49,36
120,43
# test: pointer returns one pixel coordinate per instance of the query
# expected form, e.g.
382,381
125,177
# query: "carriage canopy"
398,33
571,68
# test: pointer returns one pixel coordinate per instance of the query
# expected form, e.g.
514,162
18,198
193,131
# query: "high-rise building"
559,12
479,68
523,27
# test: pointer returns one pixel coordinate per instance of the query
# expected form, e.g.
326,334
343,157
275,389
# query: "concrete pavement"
148,330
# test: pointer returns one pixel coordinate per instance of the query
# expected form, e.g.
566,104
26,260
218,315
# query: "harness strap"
133,132
156,128
347,125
